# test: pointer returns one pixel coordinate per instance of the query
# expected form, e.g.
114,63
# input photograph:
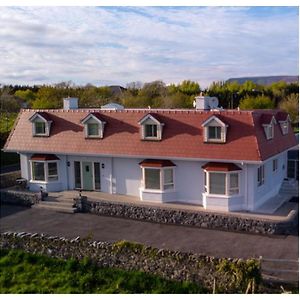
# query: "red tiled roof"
45,115
222,167
182,135
266,118
44,157
96,115
159,163
281,116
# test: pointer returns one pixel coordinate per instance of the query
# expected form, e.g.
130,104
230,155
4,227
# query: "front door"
87,176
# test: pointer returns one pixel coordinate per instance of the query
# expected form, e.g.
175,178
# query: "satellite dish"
213,102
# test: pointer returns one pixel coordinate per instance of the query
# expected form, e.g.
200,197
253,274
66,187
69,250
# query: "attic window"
269,131
268,121
93,126
284,125
214,130
151,128
41,124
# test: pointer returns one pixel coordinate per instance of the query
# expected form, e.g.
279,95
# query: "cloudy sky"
118,45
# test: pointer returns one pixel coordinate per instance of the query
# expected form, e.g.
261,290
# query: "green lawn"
21,272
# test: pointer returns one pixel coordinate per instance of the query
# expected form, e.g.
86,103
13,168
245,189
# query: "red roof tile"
159,163
182,135
222,167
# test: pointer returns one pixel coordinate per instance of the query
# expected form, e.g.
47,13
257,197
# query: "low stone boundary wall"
9,179
198,219
224,275
22,198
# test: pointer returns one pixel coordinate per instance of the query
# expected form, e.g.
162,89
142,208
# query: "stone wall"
229,275
9,179
23,198
198,219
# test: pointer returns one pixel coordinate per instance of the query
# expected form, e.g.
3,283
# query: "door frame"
93,173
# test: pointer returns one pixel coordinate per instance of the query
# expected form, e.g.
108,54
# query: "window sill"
215,142
43,182
150,139
157,191
222,196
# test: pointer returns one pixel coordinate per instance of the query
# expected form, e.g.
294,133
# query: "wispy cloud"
117,45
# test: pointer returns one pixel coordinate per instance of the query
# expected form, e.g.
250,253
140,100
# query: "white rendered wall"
272,183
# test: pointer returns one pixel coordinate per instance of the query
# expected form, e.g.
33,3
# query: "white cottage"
224,160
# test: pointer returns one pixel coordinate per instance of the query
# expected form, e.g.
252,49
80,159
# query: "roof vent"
206,102
70,103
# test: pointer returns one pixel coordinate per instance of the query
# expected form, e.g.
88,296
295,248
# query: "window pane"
97,175
152,179
93,129
151,130
217,183
38,171
234,184
214,132
77,174
52,171
168,179
40,128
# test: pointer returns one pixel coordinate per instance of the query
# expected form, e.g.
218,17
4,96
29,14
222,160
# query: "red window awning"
156,163
44,157
221,167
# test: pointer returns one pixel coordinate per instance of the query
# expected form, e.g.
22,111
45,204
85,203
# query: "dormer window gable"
283,119
41,124
93,126
214,130
151,128
268,121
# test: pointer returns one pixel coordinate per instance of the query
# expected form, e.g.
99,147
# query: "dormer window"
93,126
41,124
268,121
283,119
151,128
214,130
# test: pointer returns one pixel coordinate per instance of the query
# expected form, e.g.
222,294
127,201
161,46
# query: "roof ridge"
255,137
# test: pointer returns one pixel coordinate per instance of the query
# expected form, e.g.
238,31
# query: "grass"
22,272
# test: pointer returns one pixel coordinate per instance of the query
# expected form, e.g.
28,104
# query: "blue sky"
118,45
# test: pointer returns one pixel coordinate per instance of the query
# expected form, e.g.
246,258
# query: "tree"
189,87
27,96
260,102
291,105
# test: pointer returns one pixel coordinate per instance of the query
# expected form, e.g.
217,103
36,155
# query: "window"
52,171
38,171
234,184
97,175
269,131
150,130
217,183
261,175
44,171
221,183
152,179
168,179
93,129
40,128
159,178
284,127
214,132
77,173
275,164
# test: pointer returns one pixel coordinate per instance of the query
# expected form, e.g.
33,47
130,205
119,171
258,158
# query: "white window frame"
38,119
152,136
214,121
269,131
46,171
162,179
284,125
95,120
228,190
150,120
261,175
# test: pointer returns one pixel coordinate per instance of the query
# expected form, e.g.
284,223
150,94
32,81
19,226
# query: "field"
22,272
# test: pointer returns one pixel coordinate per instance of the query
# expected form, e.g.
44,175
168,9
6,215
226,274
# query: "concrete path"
208,242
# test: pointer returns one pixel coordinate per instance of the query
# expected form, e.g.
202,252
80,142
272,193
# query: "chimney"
206,102
70,103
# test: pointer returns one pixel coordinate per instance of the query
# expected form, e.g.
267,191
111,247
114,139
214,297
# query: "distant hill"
265,80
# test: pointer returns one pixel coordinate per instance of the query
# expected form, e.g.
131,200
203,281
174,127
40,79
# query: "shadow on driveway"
6,210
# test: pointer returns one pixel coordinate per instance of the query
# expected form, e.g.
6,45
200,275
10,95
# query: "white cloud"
118,45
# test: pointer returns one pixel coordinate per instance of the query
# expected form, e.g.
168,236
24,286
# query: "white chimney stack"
206,102
70,103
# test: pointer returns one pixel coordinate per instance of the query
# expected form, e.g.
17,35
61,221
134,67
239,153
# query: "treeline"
154,94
